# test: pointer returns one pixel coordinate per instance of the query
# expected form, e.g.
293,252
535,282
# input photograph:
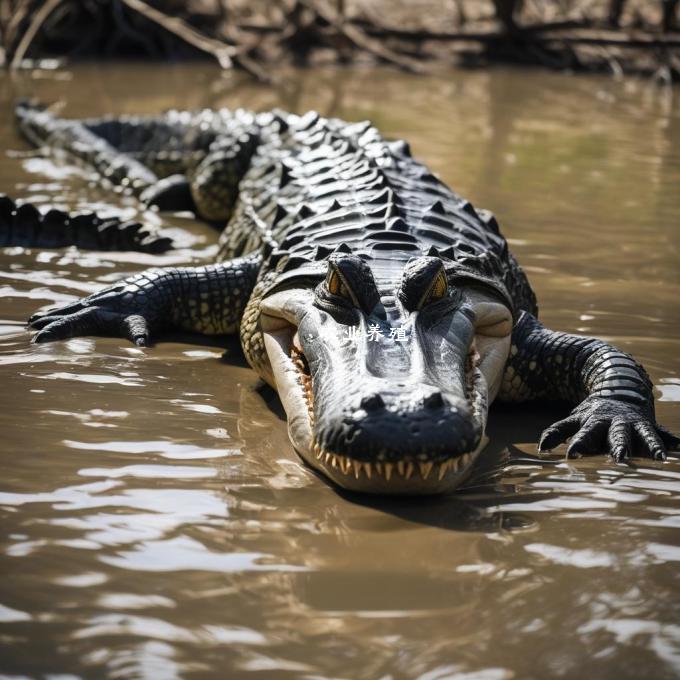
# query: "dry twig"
224,54
358,38
27,38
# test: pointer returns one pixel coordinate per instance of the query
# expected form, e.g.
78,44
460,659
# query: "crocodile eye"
438,290
336,285
423,282
349,282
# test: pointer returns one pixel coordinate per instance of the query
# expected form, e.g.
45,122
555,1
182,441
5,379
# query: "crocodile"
386,310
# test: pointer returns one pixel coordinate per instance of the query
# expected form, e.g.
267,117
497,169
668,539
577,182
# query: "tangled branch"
238,37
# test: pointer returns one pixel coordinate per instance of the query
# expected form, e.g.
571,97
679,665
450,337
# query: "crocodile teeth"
405,468
425,469
388,470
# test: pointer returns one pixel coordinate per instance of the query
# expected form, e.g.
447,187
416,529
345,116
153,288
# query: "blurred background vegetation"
619,36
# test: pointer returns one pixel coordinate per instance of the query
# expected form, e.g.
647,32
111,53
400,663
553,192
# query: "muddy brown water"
156,522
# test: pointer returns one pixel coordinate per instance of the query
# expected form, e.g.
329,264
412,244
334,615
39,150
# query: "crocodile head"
386,369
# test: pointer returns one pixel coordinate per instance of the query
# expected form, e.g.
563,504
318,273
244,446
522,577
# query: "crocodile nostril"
372,403
433,400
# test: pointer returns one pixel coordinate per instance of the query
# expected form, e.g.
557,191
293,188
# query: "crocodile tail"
24,225
73,137
33,121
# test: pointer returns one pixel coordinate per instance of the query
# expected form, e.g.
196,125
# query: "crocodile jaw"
291,389
429,470
407,477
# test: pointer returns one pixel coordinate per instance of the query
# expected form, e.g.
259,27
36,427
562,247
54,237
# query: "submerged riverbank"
640,37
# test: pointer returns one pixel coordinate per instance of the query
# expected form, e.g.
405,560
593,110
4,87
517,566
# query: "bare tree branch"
222,52
360,39
27,38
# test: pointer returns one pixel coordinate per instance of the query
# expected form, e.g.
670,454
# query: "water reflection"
156,521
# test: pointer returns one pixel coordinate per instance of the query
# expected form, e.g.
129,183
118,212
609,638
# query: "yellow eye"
438,290
336,285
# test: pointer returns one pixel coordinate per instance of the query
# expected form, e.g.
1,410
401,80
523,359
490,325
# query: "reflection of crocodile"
385,309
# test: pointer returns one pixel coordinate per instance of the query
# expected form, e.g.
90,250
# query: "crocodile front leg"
208,300
615,411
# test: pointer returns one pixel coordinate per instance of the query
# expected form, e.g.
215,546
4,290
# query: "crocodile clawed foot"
619,428
117,311
91,321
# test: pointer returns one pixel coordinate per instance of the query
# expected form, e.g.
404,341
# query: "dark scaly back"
316,184
301,186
